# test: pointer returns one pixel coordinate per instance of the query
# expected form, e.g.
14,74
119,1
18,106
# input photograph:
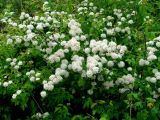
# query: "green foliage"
77,97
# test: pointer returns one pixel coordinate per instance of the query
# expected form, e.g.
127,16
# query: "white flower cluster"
93,65
18,92
155,77
33,76
14,63
151,79
125,79
108,48
74,50
56,57
151,52
123,90
143,62
40,115
122,24
108,84
55,78
73,44
76,64
88,8
43,94
121,64
14,40
6,84
74,28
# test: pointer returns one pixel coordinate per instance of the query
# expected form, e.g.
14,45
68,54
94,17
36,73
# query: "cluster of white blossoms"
73,44
33,76
153,80
7,83
108,84
74,28
40,115
55,78
76,64
88,8
93,65
155,77
125,80
18,92
122,24
14,63
72,49
14,40
57,56
152,48
107,48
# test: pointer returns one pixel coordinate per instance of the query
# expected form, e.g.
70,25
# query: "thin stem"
37,103
130,110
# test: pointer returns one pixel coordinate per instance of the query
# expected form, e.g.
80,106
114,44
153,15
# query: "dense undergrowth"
79,60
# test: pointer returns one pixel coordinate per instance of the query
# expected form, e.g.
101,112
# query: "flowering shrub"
87,65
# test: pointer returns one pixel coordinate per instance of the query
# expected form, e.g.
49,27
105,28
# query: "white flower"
122,90
110,63
121,64
30,27
130,22
9,41
90,91
38,115
45,114
51,77
5,84
18,40
8,59
109,24
108,84
32,79
38,74
39,26
20,63
10,82
28,73
158,44
18,92
129,69
43,94
117,29
95,70
155,71
87,50
110,31
89,74
83,37
56,36
123,19
73,44
153,80
16,67
37,79
74,28
63,66
32,72
142,62
103,35
14,96
151,57
35,42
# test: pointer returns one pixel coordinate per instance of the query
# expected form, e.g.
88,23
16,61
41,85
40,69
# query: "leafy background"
61,104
